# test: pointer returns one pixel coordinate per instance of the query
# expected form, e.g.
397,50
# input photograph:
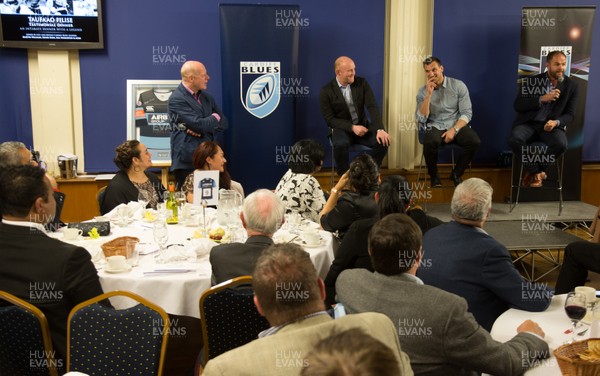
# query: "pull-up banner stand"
259,47
568,29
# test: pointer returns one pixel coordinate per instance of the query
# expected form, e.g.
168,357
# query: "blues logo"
259,86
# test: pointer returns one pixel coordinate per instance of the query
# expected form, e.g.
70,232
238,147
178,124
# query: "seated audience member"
261,216
298,188
133,159
343,102
348,353
580,257
393,196
209,156
464,260
436,330
34,266
14,153
353,196
289,293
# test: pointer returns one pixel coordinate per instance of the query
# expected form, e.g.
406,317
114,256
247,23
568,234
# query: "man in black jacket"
343,101
545,106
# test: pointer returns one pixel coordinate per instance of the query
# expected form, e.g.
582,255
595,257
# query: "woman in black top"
133,159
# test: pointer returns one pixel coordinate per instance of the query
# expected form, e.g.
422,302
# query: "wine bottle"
172,208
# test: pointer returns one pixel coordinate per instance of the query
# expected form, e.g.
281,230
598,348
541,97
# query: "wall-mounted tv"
51,24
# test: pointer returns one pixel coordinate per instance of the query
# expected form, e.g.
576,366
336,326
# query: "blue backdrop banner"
259,47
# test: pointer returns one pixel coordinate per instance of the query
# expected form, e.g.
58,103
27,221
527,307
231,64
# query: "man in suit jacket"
289,293
52,275
262,215
343,101
194,117
545,106
463,259
580,257
436,330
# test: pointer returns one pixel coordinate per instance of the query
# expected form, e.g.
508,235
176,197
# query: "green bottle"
173,218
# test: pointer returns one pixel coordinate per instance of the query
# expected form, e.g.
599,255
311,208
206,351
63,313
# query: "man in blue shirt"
444,111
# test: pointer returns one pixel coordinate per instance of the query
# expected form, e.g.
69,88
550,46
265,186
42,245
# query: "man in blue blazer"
461,258
343,101
194,117
545,106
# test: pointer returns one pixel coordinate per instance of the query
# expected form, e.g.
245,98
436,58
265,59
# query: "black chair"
558,164
423,167
25,343
104,341
229,317
100,198
353,149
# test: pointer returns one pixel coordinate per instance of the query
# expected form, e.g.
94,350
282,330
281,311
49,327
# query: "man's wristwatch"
456,129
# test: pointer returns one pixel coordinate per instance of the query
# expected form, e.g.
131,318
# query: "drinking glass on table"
143,200
575,307
161,235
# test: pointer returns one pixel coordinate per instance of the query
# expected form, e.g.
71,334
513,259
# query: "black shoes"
435,181
455,179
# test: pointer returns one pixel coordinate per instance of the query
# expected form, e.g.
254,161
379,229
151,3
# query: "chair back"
25,343
100,198
229,317
104,341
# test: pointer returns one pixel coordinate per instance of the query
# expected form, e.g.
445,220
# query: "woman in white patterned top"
298,188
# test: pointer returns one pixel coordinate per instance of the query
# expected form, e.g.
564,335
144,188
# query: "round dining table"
177,286
555,324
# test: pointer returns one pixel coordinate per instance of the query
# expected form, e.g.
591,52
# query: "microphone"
559,80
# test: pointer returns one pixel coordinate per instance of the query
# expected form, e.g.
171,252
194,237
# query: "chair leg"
518,185
559,170
332,166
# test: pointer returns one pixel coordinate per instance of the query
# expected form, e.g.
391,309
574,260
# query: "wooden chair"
105,341
25,343
229,317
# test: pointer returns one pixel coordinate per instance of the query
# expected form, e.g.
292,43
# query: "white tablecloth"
178,293
553,321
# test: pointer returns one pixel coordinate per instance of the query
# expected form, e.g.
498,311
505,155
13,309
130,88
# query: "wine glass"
143,200
161,235
575,307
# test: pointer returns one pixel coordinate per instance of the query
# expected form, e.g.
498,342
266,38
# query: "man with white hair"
262,215
461,258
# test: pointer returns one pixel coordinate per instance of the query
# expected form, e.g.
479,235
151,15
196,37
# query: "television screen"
51,24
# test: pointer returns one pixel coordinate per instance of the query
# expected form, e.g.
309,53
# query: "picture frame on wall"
148,118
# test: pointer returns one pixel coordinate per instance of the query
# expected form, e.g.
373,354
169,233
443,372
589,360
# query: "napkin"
134,211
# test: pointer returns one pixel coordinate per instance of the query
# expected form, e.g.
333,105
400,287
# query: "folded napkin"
134,211
170,269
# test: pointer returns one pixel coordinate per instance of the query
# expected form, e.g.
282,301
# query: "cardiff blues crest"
259,86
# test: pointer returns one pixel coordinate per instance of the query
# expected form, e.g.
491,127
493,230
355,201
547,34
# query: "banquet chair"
104,341
229,317
24,331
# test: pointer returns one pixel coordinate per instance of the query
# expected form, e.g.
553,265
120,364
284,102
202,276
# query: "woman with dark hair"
393,196
133,159
209,156
298,188
353,197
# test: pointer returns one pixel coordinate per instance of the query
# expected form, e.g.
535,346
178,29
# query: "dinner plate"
304,244
125,269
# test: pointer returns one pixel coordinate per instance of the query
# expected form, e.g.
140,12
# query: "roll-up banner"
257,50
568,29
